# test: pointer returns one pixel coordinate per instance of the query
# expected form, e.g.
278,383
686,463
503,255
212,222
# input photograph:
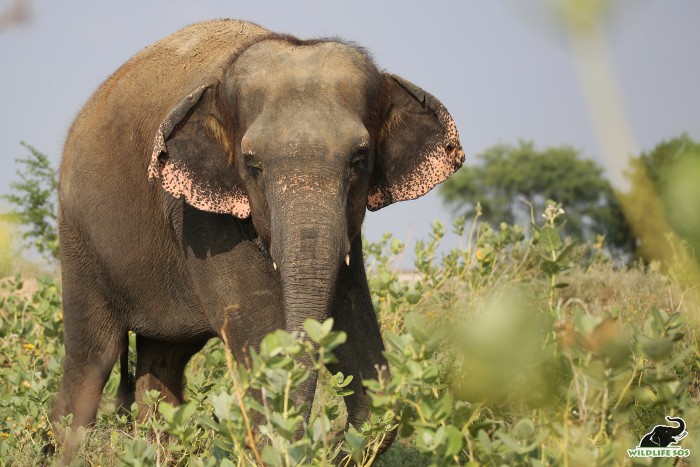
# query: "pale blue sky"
502,67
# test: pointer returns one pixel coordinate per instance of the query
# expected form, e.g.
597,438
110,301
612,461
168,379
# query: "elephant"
215,185
663,435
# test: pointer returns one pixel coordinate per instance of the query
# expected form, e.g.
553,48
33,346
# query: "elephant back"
134,99
166,71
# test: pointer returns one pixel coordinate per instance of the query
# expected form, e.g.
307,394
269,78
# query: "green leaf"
222,403
485,442
284,426
271,456
443,407
564,254
314,330
550,267
167,410
550,240
346,381
399,342
184,412
657,348
524,429
417,327
455,441
327,326
333,340
413,297
355,444
426,439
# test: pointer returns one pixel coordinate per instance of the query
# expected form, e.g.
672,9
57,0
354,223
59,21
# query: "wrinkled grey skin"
664,435
263,153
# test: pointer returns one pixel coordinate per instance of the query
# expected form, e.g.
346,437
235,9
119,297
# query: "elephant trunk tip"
678,420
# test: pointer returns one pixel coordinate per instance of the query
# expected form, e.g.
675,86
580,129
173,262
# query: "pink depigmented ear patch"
439,159
176,179
154,167
377,199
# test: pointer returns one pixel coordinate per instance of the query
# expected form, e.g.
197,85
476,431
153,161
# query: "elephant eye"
252,167
359,159
253,170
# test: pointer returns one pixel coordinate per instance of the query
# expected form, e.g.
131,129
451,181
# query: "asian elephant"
215,186
664,435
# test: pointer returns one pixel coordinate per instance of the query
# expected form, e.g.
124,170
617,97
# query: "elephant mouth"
678,438
261,245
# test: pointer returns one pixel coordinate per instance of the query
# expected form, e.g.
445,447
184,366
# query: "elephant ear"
193,157
655,438
418,145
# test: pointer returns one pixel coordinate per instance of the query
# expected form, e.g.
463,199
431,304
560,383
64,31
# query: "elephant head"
664,435
304,136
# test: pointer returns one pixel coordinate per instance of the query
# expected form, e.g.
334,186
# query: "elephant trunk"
308,263
681,425
309,242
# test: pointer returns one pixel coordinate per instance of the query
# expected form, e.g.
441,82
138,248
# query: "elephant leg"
84,377
361,356
93,342
127,384
246,324
161,365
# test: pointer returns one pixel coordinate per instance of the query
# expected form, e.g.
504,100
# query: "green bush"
509,351
34,198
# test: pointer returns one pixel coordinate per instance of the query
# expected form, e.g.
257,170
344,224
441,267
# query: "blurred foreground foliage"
509,351
664,187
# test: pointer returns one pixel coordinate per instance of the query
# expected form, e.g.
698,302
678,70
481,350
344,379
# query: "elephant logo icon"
662,436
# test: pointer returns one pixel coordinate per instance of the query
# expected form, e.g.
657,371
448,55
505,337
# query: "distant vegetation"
528,345
507,181
35,203
510,180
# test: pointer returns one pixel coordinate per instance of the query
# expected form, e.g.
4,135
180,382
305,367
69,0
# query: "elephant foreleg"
84,377
361,355
93,341
245,325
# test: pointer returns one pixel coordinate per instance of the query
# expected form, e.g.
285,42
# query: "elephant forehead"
303,182
276,67
305,133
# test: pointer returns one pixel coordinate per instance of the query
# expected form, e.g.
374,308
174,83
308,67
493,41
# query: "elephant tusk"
347,259
274,265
